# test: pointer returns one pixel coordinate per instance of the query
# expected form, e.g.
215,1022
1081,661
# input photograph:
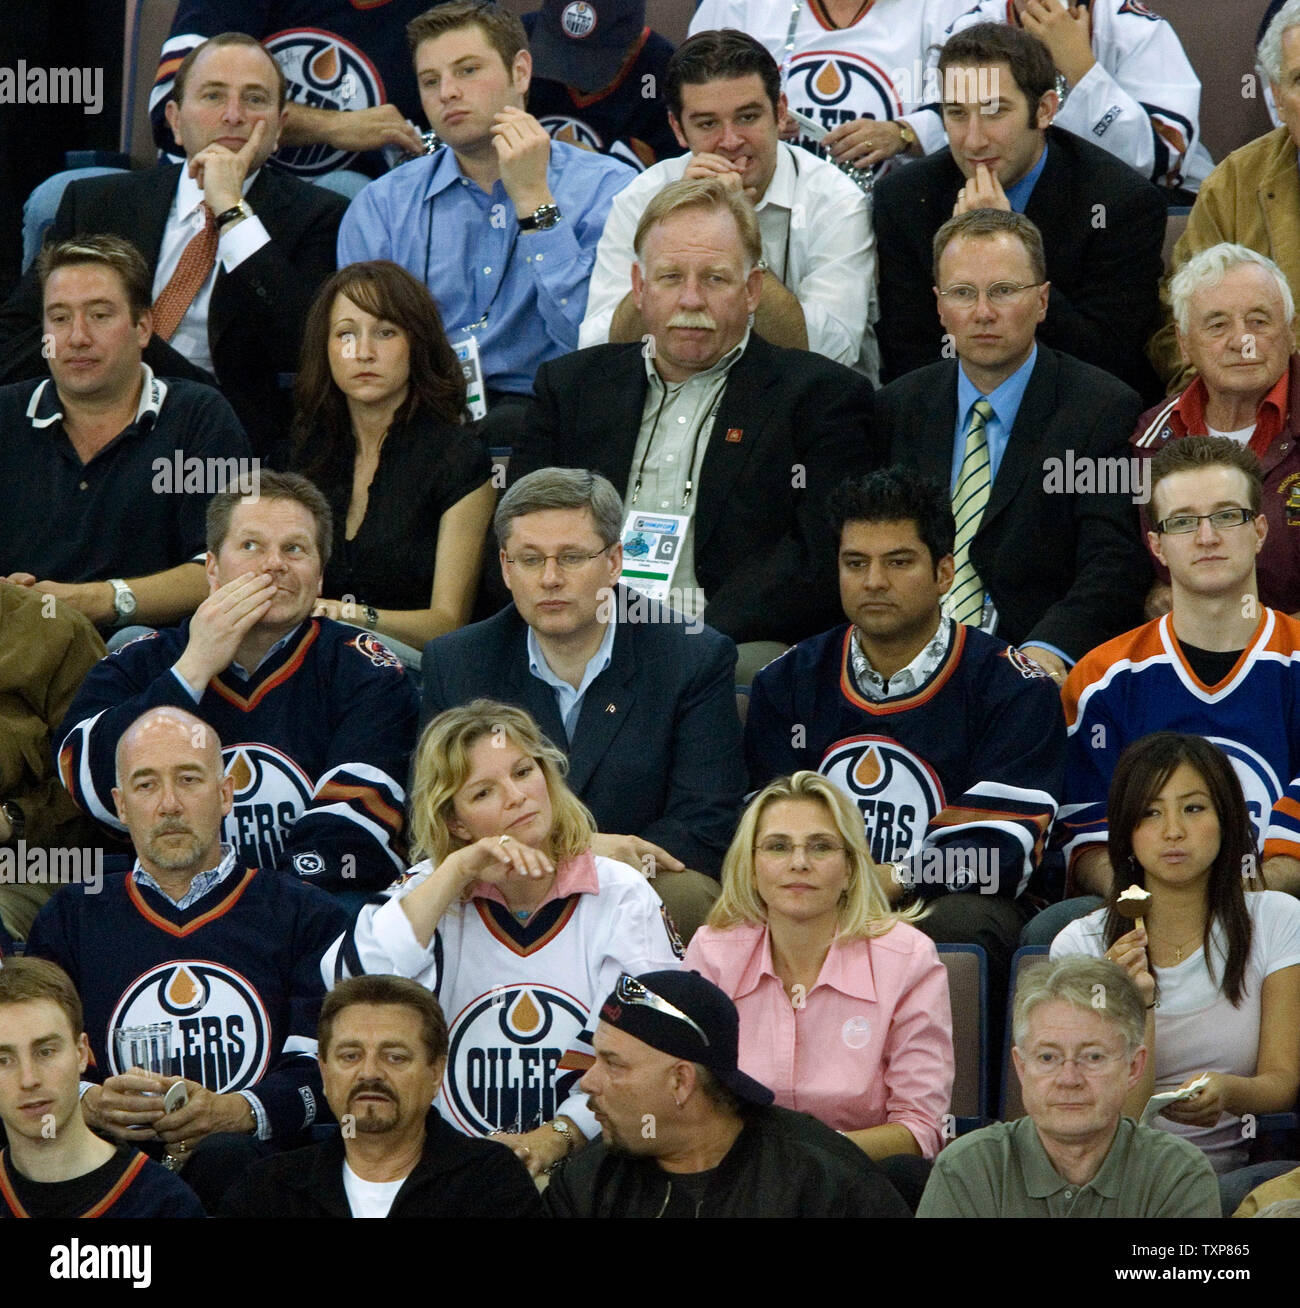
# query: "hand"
497,859
221,172
643,855
340,611
713,167
541,1148
983,191
131,1100
372,129
205,1113
1205,1107
1050,663
864,141
523,153
1130,952
20,579
1067,34
220,624
1159,601
92,598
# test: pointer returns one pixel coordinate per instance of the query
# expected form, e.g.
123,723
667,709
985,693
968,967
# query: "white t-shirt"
1197,1029
1241,436
369,1198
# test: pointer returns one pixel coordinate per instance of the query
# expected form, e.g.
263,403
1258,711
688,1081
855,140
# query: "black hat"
703,1027
583,43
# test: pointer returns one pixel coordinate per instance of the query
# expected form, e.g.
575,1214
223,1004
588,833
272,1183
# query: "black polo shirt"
122,514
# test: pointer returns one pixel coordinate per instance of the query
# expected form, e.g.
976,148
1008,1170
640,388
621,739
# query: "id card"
475,396
652,543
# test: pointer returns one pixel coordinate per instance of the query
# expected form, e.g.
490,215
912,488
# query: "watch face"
546,217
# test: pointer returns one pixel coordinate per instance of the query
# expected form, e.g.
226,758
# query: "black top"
457,1176
425,468
126,513
127,1185
1210,665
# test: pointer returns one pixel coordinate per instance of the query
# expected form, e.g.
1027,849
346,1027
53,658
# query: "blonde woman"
512,921
843,1004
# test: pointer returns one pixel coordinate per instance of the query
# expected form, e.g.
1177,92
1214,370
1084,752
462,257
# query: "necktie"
965,601
194,268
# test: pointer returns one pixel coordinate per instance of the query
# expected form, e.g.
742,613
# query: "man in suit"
1102,224
640,697
235,250
1027,438
705,421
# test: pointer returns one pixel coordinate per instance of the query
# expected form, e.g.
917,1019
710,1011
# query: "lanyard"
707,420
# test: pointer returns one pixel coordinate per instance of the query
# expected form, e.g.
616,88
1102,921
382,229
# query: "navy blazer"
257,312
1070,570
657,748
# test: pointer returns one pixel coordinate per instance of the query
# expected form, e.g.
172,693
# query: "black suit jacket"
1103,227
791,425
256,314
1067,569
657,749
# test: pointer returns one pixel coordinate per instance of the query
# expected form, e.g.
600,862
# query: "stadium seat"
1009,1104
147,25
968,987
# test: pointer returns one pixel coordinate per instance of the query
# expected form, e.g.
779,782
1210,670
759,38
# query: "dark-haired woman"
1218,965
380,428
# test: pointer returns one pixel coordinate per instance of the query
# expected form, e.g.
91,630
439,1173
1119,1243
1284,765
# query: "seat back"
1011,1105
968,984
148,23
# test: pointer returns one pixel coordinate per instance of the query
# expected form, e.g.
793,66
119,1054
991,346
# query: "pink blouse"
872,1041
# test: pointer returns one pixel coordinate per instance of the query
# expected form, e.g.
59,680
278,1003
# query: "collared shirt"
1187,417
466,246
676,423
234,245
203,884
906,681
197,695
1004,1171
869,1044
817,240
1018,194
569,698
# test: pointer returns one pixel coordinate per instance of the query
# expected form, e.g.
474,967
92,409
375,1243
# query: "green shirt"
1004,1171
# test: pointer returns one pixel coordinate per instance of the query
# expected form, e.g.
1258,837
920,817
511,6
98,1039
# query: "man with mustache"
706,421
227,957
383,1048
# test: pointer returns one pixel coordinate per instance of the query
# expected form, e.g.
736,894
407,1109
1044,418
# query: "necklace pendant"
523,914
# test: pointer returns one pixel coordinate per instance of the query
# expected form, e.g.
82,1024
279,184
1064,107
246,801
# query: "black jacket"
783,1164
458,1176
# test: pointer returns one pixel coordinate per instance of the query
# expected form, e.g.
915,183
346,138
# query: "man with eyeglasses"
1235,318
639,697
1220,664
1073,1154
1043,567
685,1133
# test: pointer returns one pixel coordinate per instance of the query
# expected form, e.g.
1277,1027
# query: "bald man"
225,957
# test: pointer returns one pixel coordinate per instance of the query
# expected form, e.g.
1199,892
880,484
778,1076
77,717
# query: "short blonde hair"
702,193
442,767
863,910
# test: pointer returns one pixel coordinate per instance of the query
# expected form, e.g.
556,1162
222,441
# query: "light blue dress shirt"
1018,195
464,243
567,698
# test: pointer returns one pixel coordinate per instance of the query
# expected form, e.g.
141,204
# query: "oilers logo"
323,72
897,792
221,1036
1259,783
572,131
833,87
271,790
375,650
505,1049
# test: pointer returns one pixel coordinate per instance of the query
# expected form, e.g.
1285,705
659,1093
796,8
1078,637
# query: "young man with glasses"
1010,425
1073,1154
1219,664
685,1133
641,699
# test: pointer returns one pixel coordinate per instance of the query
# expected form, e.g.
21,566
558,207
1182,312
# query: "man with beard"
383,1048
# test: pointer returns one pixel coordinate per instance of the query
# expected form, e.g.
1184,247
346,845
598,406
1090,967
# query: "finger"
250,147
661,856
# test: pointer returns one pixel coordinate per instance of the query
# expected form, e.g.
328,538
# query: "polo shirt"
1004,1171
118,515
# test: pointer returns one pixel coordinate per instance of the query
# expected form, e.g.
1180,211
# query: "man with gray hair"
1251,197
1079,1026
717,435
639,696
1234,316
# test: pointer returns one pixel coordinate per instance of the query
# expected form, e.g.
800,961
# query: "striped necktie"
194,268
965,601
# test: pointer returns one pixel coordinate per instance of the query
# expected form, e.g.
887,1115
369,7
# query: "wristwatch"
241,210
372,615
541,219
905,132
565,1132
124,601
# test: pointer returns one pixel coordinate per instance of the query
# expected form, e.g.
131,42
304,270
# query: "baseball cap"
583,43
686,1016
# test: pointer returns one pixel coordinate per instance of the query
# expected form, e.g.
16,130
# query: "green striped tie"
965,601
